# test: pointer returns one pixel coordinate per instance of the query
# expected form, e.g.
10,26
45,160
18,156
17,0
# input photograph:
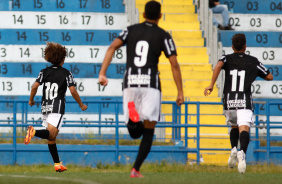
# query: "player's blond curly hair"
54,53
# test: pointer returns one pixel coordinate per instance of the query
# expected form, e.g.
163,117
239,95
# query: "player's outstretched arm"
33,92
215,74
76,96
177,78
116,44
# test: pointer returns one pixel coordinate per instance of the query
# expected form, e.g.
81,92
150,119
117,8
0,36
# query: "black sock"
144,147
135,129
43,134
244,140
234,137
54,152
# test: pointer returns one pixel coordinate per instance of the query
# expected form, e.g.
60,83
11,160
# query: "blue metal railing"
176,124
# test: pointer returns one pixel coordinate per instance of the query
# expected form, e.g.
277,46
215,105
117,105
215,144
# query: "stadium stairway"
179,18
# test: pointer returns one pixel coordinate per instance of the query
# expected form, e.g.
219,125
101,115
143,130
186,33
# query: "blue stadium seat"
86,28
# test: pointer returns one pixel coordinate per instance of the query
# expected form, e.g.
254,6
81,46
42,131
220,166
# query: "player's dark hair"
153,10
238,41
54,53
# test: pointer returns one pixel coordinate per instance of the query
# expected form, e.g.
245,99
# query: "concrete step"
204,120
176,17
183,17
203,131
216,143
171,8
168,2
170,25
211,157
186,34
143,2
191,92
193,99
194,92
186,83
177,2
199,75
191,50
199,42
187,67
192,109
187,59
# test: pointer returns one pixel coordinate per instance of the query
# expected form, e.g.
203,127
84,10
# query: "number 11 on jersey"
235,74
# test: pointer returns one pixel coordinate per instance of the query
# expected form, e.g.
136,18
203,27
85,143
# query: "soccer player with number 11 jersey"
240,72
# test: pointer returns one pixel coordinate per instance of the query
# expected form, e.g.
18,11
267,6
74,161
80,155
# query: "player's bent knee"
52,136
135,129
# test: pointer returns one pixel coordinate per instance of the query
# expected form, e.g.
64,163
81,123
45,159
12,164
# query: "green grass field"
153,173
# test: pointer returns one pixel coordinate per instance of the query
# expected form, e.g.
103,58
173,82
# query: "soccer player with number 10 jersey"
55,80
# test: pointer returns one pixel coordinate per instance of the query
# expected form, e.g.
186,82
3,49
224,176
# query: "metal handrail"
175,124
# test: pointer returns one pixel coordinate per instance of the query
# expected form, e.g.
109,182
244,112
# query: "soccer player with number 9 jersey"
141,84
55,80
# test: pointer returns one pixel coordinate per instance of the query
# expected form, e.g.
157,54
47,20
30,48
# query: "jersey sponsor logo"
47,108
139,79
236,103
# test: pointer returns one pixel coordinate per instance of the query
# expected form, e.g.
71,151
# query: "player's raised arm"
33,92
116,44
215,74
76,96
177,78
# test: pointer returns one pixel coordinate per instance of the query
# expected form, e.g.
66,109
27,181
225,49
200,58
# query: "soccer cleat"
59,167
133,114
29,135
232,161
135,174
241,161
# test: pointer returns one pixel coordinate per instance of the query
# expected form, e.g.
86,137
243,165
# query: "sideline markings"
50,178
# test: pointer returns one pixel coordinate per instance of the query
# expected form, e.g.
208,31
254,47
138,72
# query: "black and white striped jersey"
145,42
240,72
55,80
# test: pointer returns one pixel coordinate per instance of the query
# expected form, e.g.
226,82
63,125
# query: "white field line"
51,178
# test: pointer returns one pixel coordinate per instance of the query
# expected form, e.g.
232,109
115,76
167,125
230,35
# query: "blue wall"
42,156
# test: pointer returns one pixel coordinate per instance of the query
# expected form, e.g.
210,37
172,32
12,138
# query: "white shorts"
54,119
147,103
239,117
